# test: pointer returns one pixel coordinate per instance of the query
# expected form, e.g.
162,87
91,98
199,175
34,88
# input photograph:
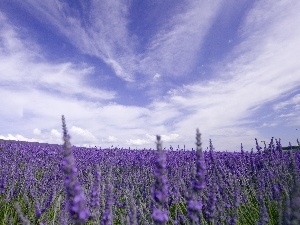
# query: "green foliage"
179,208
248,213
39,175
120,212
8,211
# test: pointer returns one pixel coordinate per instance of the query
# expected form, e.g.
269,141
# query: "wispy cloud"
291,109
21,62
104,33
263,67
176,47
288,115
268,125
259,71
150,139
294,102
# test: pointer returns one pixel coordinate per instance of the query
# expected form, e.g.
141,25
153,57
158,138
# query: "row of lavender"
53,184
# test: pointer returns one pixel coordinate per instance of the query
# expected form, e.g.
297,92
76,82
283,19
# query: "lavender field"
61,184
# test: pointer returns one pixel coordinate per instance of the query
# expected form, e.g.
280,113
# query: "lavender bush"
63,184
75,198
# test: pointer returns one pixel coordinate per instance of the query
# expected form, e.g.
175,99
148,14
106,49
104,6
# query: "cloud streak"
21,62
176,47
259,74
251,77
172,51
102,33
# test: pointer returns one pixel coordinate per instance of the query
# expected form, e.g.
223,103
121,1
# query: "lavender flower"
237,201
278,145
75,197
49,200
195,205
160,216
3,184
263,217
295,203
212,199
287,212
95,192
9,194
107,218
290,145
160,190
199,183
23,218
132,218
258,148
38,210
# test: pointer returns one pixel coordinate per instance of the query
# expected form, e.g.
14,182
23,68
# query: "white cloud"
294,101
83,134
260,69
18,137
37,131
175,48
268,125
23,67
111,139
168,138
290,108
105,35
263,67
156,76
288,115
56,134
151,139
138,142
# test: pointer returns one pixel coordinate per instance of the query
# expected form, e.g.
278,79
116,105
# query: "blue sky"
124,71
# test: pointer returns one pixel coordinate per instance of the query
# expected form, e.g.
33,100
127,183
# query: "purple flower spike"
107,218
160,216
195,203
22,217
258,148
263,217
3,184
199,183
132,218
75,198
295,203
160,189
194,206
95,193
38,212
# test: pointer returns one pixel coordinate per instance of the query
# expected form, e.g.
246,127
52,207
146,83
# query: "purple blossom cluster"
160,190
75,196
194,203
49,184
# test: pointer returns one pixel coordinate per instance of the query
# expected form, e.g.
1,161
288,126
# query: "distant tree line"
294,148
